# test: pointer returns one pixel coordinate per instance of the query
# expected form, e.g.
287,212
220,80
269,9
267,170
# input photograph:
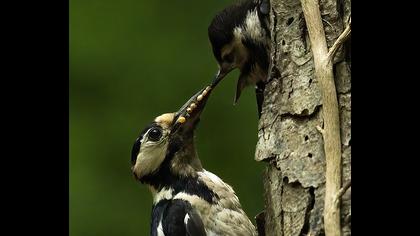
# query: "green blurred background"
131,60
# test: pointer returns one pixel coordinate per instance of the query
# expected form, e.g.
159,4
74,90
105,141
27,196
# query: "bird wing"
181,219
194,224
157,212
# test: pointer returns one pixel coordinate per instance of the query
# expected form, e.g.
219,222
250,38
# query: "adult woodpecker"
187,199
240,38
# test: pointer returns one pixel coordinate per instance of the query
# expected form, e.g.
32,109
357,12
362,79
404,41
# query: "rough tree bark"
289,138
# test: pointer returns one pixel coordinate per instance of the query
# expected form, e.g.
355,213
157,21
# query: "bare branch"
330,112
341,39
341,192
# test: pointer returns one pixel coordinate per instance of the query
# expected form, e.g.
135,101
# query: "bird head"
165,147
238,40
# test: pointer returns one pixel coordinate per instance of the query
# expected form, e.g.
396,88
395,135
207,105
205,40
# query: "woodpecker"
187,199
240,38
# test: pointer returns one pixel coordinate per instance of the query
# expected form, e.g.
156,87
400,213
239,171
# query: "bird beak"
222,72
241,84
188,115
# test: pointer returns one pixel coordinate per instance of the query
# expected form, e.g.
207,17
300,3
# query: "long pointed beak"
189,114
221,73
241,84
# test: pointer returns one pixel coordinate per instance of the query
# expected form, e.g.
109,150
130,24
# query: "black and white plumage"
187,199
240,38
176,217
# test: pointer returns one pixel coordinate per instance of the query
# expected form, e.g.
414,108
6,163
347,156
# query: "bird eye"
155,134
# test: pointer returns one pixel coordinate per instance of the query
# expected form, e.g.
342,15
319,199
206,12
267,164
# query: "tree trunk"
290,136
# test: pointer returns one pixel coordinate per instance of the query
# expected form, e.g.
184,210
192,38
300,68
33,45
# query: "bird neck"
180,163
188,185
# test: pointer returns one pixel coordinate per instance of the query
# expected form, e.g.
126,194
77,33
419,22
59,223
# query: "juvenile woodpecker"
240,38
187,199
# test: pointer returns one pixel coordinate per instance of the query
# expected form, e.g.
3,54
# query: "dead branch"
341,192
331,134
341,39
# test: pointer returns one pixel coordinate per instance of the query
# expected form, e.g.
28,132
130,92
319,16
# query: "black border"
36,95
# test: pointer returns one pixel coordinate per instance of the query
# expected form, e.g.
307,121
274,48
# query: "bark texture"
288,138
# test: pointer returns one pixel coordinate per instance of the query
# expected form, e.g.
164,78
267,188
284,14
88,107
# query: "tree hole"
310,155
306,137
